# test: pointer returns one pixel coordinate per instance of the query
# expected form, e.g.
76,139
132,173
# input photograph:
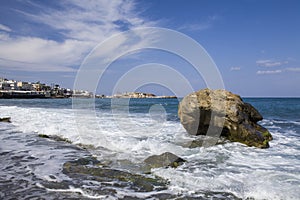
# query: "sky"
254,44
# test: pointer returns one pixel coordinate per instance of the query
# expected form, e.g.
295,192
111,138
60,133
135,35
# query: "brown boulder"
222,113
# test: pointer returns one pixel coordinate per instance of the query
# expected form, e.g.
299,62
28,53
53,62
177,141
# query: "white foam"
72,189
258,176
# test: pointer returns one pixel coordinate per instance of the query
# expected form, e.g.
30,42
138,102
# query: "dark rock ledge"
5,119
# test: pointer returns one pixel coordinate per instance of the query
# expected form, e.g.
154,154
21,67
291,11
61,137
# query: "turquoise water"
132,131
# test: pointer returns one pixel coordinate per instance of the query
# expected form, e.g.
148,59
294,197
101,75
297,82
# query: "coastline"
19,94
15,94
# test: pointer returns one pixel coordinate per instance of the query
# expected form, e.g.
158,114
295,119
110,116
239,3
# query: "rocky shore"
88,169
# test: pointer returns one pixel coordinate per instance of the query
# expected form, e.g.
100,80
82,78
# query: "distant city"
23,89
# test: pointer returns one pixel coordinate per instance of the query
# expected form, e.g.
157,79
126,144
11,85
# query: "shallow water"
123,134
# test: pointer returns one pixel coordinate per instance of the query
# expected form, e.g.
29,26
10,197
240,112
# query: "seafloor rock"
219,112
5,119
166,159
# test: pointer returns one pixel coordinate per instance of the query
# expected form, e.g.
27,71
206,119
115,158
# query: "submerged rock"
166,159
219,112
5,119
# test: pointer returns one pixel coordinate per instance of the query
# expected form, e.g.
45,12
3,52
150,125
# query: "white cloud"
83,25
91,20
4,28
270,63
235,68
36,67
296,69
269,72
4,36
36,54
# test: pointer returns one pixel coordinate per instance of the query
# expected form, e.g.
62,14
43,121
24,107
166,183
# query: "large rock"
222,113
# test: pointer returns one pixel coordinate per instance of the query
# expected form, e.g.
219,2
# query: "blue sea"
122,133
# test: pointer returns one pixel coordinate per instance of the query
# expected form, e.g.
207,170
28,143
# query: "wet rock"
164,160
90,169
5,119
55,138
202,141
87,161
219,112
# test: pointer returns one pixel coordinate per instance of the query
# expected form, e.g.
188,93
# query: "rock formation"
5,119
166,159
222,113
90,168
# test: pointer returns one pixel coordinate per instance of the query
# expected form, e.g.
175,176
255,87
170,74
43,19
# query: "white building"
82,93
26,86
8,84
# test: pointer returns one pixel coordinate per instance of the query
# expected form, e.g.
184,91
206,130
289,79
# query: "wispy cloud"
235,68
269,72
195,26
91,20
270,63
285,70
40,52
293,69
4,28
28,66
200,26
81,24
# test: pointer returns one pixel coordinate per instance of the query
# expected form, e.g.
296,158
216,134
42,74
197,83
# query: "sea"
44,134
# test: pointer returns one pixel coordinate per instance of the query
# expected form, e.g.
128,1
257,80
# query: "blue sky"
254,43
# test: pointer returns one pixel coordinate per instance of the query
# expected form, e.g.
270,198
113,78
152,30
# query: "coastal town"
136,95
22,89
